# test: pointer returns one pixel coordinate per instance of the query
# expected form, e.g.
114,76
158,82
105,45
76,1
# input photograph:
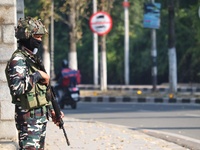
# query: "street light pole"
126,42
95,48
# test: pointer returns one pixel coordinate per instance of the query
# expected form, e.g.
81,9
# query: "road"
181,119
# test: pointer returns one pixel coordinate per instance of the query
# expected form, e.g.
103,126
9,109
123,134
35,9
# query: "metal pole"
154,57
103,64
52,40
126,42
95,48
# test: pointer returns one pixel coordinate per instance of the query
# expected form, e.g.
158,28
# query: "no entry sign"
100,23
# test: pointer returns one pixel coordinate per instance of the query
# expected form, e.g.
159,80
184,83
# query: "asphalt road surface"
181,119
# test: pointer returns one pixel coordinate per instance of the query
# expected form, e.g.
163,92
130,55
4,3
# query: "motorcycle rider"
66,78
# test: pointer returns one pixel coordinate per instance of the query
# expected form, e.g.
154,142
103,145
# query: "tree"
172,50
41,10
187,40
45,13
72,13
104,6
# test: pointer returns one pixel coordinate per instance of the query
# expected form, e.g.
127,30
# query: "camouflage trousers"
31,126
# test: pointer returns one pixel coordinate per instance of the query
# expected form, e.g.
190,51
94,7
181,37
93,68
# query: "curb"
139,87
183,141
139,100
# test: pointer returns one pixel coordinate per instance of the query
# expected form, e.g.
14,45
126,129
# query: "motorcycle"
67,89
70,96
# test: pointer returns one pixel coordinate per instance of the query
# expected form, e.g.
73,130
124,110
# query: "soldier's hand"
45,77
54,119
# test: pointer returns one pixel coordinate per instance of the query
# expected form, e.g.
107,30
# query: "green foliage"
188,21
85,57
187,29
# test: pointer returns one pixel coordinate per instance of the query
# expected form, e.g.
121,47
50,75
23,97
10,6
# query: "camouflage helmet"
28,27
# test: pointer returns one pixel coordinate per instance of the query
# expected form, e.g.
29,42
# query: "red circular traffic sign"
126,4
100,23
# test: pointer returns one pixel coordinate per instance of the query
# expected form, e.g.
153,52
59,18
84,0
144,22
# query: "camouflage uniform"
31,128
30,122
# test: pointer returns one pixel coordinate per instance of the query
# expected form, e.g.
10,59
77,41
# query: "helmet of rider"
28,26
65,63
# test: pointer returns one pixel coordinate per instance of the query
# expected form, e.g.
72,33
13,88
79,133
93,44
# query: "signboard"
126,4
100,23
152,15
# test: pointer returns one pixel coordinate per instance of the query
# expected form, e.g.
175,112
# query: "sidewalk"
91,135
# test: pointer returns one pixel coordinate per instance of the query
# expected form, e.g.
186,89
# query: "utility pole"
126,42
52,40
95,49
172,49
103,64
154,57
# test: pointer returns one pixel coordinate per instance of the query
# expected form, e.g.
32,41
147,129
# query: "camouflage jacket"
23,77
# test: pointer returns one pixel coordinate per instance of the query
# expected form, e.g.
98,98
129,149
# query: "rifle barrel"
54,102
67,140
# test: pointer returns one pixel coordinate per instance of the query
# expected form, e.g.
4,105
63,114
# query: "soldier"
28,86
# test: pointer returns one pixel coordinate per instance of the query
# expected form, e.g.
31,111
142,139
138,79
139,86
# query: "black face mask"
34,43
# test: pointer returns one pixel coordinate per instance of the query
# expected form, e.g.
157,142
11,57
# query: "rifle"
58,114
52,97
